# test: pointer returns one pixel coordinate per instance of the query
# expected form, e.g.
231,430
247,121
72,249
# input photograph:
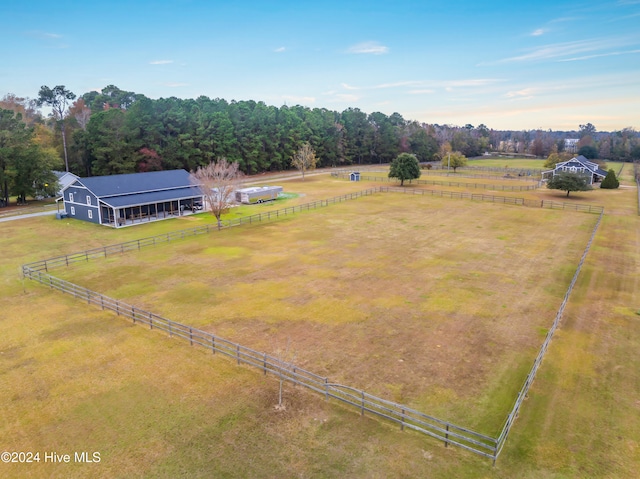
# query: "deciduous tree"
405,167
58,99
454,160
24,166
304,159
218,182
569,182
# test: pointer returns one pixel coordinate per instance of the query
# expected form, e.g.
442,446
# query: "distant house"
571,145
578,165
65,178
123,200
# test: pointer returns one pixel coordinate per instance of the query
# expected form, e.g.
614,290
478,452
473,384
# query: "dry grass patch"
425,300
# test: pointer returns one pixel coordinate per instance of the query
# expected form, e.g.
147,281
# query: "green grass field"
74,378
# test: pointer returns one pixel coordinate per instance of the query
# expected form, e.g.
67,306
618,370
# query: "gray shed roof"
139,199
137,189
136,183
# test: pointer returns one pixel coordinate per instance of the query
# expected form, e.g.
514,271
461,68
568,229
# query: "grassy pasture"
418,300
73,378
496,162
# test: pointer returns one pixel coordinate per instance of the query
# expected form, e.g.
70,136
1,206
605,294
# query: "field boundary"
448,432
445,183
68,259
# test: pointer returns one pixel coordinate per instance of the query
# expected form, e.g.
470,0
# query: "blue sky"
509,65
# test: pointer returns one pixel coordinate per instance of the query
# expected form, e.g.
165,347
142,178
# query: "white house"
578,165
571,145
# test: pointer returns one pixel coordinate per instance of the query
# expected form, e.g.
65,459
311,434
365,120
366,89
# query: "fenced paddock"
482,186
450,433
137,245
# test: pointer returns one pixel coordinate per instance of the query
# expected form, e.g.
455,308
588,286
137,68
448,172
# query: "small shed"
355,176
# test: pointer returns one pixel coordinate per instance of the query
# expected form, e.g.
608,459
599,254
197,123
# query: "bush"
610,181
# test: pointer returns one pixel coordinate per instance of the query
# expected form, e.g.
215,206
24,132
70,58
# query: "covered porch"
121,215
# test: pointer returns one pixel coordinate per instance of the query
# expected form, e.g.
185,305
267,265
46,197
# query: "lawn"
74,378
415,305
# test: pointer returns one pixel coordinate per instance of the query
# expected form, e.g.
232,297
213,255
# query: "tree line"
115,131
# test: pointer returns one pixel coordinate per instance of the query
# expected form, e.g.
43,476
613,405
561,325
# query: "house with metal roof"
124,200
578,165
65,178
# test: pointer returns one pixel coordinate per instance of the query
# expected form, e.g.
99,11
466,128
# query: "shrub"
610,181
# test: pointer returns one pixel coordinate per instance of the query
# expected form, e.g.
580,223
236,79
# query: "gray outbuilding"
124,200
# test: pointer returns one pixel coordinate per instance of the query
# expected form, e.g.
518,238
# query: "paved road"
28,215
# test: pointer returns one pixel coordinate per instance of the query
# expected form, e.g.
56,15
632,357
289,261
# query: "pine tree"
610,181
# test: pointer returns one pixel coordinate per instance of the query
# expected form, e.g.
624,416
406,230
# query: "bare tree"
58,99
304,159
218,182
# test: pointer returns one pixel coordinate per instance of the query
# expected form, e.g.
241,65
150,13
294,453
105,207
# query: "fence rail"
498,199
133,245
84,256
447,183
522,394
447,432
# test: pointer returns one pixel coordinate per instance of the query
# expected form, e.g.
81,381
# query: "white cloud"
398,84
421,92
557,50
373,48
525,93
598,55
343,98
349,87
538,32
280,50
298,99
160,62
472,82
44,35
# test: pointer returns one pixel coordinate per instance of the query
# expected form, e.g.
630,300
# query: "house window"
71,197
88,199
73,211
90,213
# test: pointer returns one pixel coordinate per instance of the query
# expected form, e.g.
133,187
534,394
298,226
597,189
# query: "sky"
516,65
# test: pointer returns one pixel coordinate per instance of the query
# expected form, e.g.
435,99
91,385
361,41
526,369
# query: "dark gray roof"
135,183
138,199
582,161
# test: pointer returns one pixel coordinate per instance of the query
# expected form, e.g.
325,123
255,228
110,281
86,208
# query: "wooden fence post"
446,437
